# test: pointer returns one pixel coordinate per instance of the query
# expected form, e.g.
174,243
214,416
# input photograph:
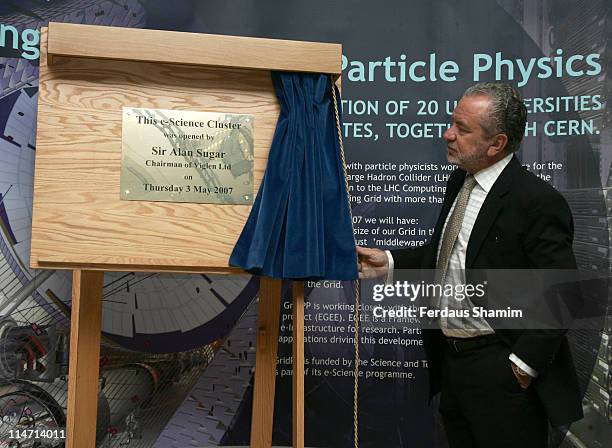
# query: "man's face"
467,142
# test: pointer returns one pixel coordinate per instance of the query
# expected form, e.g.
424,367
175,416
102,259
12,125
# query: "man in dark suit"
499,387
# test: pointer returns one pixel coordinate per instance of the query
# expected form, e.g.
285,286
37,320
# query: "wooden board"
78,218
268,324
102,42
85,332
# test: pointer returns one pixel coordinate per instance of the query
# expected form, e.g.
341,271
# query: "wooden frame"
87,74
210,50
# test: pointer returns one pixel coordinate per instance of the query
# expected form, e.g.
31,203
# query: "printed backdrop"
178,351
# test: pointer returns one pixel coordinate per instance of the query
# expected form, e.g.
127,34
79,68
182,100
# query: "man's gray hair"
507,113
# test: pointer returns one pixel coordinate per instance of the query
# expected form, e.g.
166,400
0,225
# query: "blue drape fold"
300,223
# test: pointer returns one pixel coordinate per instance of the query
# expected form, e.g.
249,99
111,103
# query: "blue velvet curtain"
300,224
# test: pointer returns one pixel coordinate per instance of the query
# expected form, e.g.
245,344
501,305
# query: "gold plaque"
186,156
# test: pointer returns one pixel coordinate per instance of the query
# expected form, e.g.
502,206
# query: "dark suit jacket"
524,223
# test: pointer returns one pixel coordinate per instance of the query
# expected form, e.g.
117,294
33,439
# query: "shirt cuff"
528,370
389,279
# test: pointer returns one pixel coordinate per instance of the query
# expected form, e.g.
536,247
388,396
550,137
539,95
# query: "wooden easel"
87,74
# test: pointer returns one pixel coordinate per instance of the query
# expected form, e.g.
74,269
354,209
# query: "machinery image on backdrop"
158,339
160,331
587,186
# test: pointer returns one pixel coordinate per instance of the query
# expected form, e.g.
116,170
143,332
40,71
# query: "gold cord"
357,285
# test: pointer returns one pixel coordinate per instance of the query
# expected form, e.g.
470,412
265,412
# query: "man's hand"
372,262
522,377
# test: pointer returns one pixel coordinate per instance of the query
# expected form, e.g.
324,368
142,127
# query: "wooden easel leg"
85,328
298,364
265,362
